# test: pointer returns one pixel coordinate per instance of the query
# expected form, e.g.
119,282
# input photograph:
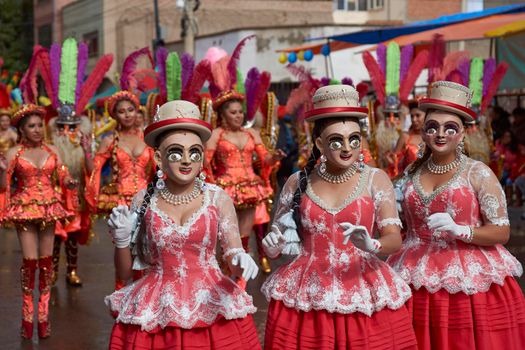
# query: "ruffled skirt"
288,328
247,192
238,334
42,212
483,321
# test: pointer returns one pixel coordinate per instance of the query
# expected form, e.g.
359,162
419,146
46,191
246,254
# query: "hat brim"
331,112
467,114
198,126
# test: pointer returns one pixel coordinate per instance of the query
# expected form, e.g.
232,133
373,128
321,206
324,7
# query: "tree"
16,33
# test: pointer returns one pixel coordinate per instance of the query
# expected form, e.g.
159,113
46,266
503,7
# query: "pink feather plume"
93,81
376,76
234,59
500,72
419,63
130,65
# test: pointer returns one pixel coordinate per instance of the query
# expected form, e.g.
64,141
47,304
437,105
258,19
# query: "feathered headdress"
300,99
225,77
394,73
256,86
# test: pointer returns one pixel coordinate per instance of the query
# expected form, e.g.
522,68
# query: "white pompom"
291,249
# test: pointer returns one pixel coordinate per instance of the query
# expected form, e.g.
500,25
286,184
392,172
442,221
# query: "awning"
470,30
508,29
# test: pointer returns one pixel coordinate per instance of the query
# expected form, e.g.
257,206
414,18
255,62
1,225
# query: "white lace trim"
389,221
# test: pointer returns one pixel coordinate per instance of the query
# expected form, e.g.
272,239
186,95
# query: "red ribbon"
448,104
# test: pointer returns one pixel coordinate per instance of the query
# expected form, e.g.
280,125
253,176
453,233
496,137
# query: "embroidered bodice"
232,164
327,275
183,285
133,172
434,260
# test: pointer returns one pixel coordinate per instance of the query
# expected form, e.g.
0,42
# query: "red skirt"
238,334
288,328
491,320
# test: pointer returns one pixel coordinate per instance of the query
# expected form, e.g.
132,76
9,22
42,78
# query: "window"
358,5
45,35
91,39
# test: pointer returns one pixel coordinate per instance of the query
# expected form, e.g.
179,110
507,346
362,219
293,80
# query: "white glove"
121,223
360,238
274,242
248,266
444,222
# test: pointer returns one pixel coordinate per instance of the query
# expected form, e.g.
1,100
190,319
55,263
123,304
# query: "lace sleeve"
491,198
229,236
384,197
136,203
283,218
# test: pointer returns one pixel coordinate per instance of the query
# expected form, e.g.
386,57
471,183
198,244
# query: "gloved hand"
248,266
360,238
444,222
274,242
121,223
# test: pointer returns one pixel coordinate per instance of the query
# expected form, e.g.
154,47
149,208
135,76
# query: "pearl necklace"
443,169
338,179
181,199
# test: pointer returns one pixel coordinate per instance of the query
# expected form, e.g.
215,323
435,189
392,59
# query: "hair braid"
142,247
114,160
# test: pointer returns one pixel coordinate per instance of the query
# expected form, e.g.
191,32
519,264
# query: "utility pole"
189,24
158,40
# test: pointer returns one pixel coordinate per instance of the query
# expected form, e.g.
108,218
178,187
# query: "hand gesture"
274,242
444,222
121,223
248,266
360,238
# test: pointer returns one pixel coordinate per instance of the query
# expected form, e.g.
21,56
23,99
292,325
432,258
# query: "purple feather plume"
407,53
381,57
464,71
82,61
54,58
188,65
325,81
488,73
347,81
161,56
250,85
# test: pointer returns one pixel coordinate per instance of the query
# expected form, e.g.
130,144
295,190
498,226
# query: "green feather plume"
68,71
476,80
173,77
239,87
393,62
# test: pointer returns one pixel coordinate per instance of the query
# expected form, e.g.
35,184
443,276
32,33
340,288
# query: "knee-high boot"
45,265
27,279
260,231
57,244
72,256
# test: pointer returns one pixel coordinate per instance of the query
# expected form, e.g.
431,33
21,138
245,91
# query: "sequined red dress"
133,175
232,170
464,295
336,296
184,300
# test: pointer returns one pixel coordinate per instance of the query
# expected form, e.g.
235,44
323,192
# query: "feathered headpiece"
394,73
300,98
63,70
225,77
256,87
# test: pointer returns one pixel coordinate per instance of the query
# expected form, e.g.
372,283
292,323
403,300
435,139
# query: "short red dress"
184,301
336,296
464,295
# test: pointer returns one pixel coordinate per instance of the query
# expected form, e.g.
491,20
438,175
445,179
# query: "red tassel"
500,72
93,81
376,76
419,63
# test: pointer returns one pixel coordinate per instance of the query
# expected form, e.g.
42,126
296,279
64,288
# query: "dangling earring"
361,159
322,167
202,176
160,184
421,150
460,148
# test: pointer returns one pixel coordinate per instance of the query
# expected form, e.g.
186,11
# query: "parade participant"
336,293
409,142
183,300
70,132
33,208
7,134
393,76
464,292
231,146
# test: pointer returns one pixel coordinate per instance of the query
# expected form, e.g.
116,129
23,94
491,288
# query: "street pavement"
79,318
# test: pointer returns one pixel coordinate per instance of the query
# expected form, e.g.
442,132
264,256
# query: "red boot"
27,278
45,264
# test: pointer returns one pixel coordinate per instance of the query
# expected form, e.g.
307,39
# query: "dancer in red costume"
34,208
465,295
336,294
184,300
